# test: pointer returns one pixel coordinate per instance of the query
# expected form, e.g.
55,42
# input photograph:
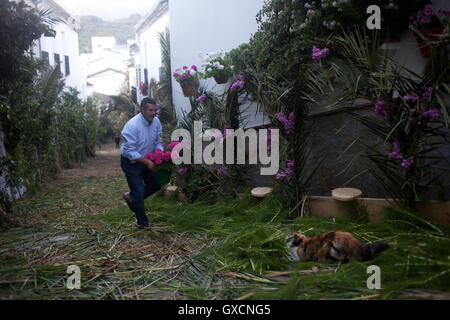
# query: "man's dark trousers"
143,183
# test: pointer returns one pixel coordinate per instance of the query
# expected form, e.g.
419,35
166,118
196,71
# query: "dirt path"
81,219
105,164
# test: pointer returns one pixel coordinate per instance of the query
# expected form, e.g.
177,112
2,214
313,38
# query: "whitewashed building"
63,47
105,68
198,27
145,51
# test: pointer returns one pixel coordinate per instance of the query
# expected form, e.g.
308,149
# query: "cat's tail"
371,250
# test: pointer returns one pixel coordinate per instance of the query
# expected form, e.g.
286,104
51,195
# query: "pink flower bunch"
424,18
172,145
289,124
318,54
159,156
185,74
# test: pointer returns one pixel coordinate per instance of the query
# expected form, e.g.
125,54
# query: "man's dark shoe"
143,227
127,198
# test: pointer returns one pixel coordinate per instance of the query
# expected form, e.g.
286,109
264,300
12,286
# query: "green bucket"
163,177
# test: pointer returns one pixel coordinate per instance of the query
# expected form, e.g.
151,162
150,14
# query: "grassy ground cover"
231,249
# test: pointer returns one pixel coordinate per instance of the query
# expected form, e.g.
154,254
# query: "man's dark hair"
146,101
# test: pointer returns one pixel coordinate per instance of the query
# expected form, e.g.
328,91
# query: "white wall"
65,43
150,48
108,82
201,26
101,43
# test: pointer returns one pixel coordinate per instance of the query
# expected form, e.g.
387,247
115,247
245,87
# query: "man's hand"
150,164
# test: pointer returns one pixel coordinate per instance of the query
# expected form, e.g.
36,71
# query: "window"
146,75
134,94
45,58
66,65
56,57
57,60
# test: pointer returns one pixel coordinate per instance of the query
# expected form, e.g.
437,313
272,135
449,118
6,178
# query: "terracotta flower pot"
432,34
188,89
221,80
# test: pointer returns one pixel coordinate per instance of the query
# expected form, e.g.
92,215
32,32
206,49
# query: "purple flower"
201,99
411,98
238,83
183,77
381,107
183,170
285,175
433,114
176,74
320,54
194,67
222,171
289,124
290,164
396,153
408,163
426,95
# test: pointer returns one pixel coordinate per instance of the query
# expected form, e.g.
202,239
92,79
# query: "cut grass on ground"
225,250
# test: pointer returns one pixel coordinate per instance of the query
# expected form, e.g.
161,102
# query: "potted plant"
163,161
427,25
187,78
218,66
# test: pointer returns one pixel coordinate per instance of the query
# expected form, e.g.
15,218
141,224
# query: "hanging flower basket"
432,34
221,80
188,89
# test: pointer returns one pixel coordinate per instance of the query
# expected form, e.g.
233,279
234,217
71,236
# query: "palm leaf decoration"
369,75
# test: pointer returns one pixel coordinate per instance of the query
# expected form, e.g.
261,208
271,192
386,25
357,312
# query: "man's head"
149,109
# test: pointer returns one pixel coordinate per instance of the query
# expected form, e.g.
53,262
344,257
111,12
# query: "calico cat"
332,246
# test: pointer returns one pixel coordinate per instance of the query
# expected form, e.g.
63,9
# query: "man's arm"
130,149
150,164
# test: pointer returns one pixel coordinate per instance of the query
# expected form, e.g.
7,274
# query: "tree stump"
346,194
261,192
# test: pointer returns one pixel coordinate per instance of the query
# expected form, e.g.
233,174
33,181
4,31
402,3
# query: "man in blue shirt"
141,135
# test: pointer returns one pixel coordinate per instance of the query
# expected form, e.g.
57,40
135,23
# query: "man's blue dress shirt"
141,137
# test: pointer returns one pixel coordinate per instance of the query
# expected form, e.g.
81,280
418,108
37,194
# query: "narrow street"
60,226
